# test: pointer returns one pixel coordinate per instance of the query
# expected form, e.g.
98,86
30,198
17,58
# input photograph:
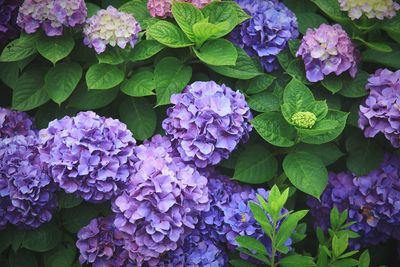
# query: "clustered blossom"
326,50
161,203
110,27
267,32
8,19
163,8
15,123
304,119
88,155
26,191
101,244
51,15
380,112
197,250
372,202
379,9
207,122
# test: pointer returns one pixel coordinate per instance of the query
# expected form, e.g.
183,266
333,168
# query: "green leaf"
329,153
381,47
245,67
62,256
364,155
334,218
140,84
288,226
168,34
186,15
383,58
171,76
255,165
55,48
339,245
296,97
139,116
332,9
20,48
23,258
251,244
354,88
66,201
306,172
274,129
261,218
9,73
29,91
264,102
296,261
260,83
218,52
334,115
112,56
43,239
145,49
319,108
204,31
241,263
228,12
296,69
91,99
138,9
75,218
91,9
61,80
309,20
333,83
103,76
364,260
345,263
320,128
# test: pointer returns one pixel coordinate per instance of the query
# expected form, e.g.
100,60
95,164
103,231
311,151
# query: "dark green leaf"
20,48
355,88
145,49
332,9
66,201
23,258
309,20
260,83
333,84
138,9
75,218
103,76
381,47
288,226
140,84
264,102
55,48
62,256
92,99
386,59
296,261
9,73
43,239
329,152
218,52
112,56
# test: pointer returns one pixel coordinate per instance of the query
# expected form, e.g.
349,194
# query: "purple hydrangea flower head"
326,50
163,8
372,200
101,244
15,123
51,15
379,9
196,250
110,27
162,201
26,191
88,155
207,122
380,111
267,32
8,19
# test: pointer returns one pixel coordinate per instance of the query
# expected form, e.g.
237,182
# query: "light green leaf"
139,116
264,102
55,48
297,98
20,48
186,15
260,83
288,226
145,49
364,260
91,9
140,84
251,243
168,34
138,9
306,172
319,128
339,245
255,165
103,76
171,76
381,47
218,12
112,56
61,80
218,52
204,31
43,239
274,129
296,261
332,9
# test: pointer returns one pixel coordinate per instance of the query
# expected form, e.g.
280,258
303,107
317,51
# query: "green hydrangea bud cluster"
304,119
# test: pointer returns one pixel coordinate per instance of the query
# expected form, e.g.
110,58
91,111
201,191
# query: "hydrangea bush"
199,133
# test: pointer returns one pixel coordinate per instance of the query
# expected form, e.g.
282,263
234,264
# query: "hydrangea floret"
8,19
163,8
304,119
379,9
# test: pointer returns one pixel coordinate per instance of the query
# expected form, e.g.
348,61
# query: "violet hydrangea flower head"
51,15
196,250
267,32
15,123
88,155
379,9
8,19
161,203
163,8
372,201
101,244
207,122
110,27
326,50
27,193
380,111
